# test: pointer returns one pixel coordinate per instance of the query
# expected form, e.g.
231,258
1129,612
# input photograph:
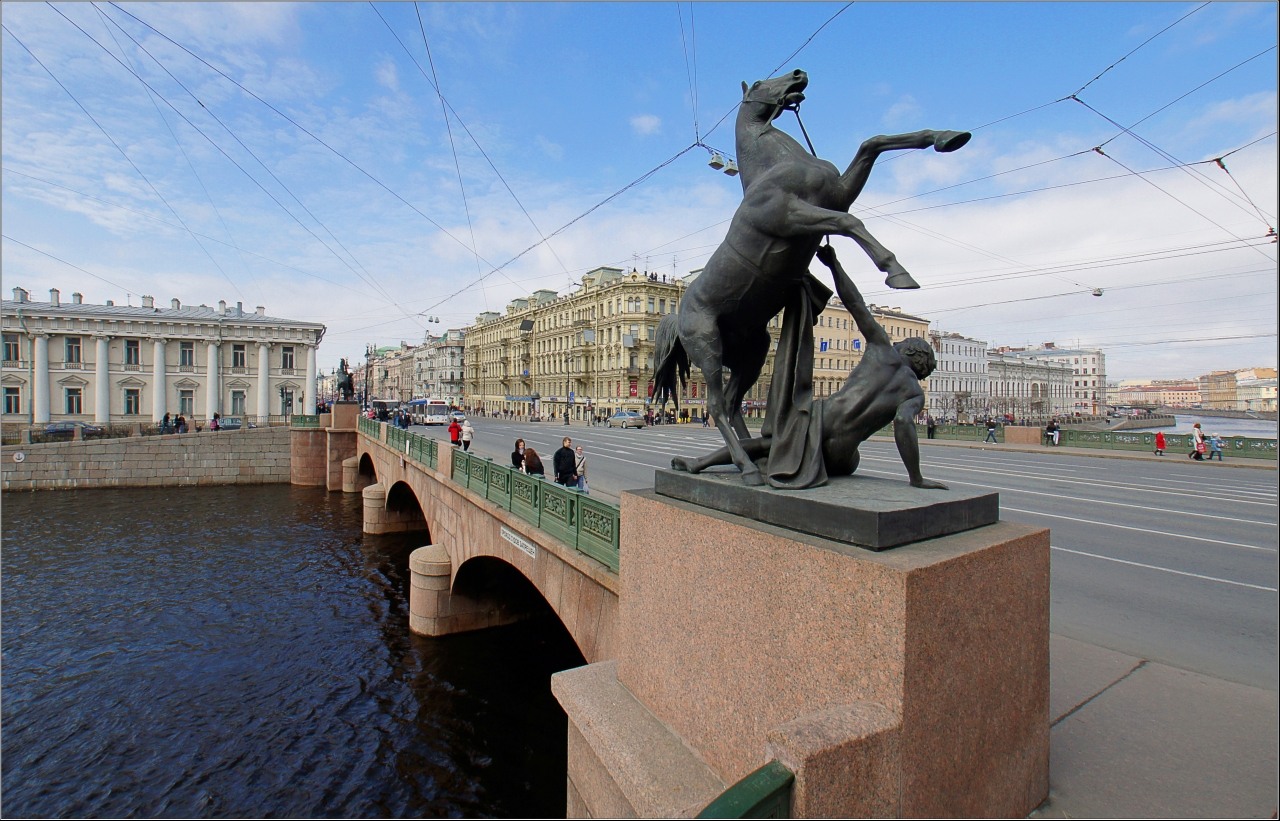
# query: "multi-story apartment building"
1088,374
438,368
1222,390
1256,394
1027,387
121,363
838,344
959,389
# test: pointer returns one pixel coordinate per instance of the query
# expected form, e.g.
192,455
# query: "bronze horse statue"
791,200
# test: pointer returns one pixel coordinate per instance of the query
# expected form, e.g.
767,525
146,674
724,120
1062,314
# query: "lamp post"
567,359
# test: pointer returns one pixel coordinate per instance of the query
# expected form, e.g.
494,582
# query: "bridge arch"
367,470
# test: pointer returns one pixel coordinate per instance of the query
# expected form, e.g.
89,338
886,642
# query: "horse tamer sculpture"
791,200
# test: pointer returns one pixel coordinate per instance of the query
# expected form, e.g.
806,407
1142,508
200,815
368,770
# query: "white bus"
435,412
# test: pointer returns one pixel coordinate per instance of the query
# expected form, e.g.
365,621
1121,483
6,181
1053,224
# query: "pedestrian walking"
1160,443
1197,443
517,455
1052,431
216,423
580,467
455,433
533,464
1215,446
562,464
467,434
930,426
991,431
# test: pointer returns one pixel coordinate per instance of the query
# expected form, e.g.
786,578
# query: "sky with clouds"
391,169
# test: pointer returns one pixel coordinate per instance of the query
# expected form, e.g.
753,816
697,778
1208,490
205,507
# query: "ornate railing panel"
302,420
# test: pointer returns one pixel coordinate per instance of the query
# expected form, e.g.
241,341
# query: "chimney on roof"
53,296
175,304
1048,346
77,298
19,295
222,307
239,309
261,311
148,301
111,303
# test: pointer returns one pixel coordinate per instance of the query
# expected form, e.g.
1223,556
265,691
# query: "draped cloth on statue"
793,422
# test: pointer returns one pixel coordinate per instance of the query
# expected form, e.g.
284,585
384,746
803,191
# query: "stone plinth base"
340,447
379,519
867,511
345,413
436,611
306,457
909,682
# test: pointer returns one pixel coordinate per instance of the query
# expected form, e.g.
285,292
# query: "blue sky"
297,156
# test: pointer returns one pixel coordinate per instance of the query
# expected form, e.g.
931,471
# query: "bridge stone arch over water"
458,579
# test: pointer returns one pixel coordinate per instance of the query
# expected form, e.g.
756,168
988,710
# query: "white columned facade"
160,390
264,381
40,391
309,391
102,383
214,394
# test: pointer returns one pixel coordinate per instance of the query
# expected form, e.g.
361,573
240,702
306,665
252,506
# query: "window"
650,304
187,403
237,356
286,357
237,403
72,349
662,306
12,400
132,401
132,352
286,401
187,354
75,401
12,350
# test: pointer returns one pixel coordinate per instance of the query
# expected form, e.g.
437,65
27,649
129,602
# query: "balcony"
73,366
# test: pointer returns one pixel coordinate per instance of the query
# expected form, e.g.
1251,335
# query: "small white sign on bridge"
521,542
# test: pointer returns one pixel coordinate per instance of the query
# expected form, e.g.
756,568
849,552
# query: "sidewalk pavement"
1133,738
1096,453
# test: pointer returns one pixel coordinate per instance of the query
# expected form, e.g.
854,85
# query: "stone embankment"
248,457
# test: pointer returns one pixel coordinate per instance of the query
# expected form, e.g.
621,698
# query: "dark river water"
245,651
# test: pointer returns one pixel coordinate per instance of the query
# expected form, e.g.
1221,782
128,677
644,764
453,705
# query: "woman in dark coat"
517,455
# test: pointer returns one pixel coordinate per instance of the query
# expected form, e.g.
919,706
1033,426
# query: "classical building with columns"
122,363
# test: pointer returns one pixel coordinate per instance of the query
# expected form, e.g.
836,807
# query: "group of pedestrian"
568,465
462,434
176,424
1204,446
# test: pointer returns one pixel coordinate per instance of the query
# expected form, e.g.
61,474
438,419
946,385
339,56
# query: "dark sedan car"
67,430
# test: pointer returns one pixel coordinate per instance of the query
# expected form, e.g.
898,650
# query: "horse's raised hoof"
901,280
948,141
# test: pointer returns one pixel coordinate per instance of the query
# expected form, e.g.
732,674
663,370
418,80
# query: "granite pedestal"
904,682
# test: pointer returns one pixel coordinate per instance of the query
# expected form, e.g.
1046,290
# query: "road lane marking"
1163,569
1141,529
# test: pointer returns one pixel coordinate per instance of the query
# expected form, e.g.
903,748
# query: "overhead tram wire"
127,158
310,134
111,28
444,112
474,142
365,276
1138,47
179,227
68,264
690,66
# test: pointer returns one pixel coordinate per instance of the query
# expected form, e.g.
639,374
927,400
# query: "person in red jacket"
1159,443
455,432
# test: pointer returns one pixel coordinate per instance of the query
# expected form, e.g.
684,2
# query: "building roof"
185,313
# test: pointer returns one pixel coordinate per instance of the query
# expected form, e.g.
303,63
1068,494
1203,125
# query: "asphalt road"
1166,559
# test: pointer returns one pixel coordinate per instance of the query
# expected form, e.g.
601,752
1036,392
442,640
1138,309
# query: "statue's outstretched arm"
904,434
852,299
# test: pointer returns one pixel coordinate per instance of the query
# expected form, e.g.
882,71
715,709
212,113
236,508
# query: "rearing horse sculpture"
791,200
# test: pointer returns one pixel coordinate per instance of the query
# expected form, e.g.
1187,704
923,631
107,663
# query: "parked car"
233,423
458,416
625,419
66,430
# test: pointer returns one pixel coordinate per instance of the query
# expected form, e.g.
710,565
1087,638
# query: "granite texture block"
868,511
730,628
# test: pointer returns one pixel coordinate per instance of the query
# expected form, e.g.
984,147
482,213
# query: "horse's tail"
671,362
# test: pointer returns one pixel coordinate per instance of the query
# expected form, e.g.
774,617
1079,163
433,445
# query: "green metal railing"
302,420
585,524
1133,440
765,793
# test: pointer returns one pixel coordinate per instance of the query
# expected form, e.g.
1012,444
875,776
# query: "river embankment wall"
246,457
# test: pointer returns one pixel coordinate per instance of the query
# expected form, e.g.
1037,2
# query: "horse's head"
771,97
